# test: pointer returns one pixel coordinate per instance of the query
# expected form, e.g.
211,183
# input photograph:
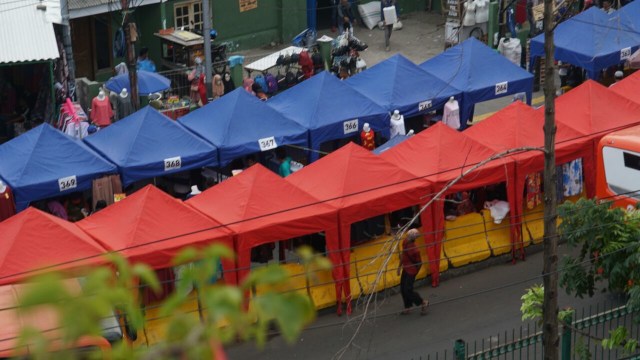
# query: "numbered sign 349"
172,163
267,143
67,183
350,126
502,87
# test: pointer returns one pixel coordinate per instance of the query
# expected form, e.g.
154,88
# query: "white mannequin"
3,187
469,13
482,11
124,93
101,95
397,124
366,128
451,115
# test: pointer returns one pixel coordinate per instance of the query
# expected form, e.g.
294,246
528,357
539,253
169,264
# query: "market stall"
44,163
147,144
330,110
480,73
239,124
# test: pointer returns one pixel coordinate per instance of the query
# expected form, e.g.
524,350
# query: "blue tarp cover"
391,143
480,72
44,163
239,124
399,84
592,40
330,109
146,144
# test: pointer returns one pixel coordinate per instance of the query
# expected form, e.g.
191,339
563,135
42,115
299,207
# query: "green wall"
148,20
409,6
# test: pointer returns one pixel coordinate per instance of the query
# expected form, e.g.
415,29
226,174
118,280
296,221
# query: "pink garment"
101,112
56,209
247,84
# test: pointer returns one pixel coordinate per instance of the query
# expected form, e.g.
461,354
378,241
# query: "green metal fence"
581,340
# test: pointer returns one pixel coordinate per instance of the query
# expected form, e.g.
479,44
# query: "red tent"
519,125
360,185
441,154
261,207
33,240
593,110
152,227
629,87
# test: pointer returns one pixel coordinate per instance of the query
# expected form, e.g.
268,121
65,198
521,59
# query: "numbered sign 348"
172,163
267,143
67,183
350,126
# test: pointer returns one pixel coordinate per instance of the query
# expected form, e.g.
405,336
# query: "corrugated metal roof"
26,34
81,4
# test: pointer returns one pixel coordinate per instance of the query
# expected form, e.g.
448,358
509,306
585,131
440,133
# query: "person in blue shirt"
143,61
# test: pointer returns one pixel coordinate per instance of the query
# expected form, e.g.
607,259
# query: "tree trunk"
131,56
550,266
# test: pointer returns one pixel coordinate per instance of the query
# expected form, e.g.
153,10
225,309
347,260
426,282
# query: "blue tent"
398,83
146,144
591,40
239,124
44,163
480,72
330,109
628,17
391,143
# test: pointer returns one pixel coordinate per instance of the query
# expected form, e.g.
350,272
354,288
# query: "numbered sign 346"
350,126
267,143
67,183
172,163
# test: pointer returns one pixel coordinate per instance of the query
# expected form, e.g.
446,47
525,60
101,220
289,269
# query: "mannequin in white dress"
482,11
451,114
469,13
397,124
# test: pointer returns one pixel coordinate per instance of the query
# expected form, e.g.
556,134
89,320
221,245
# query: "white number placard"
625,53
350,126
67,183
425,105
267,143
172,163
502,88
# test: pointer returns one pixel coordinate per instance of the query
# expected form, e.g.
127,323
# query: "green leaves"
532,300
223,314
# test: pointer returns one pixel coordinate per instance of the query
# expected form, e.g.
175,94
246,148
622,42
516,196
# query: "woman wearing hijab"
194,78
218,88
227,81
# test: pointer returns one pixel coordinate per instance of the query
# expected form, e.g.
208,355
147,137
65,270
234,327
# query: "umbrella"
148,82
634,61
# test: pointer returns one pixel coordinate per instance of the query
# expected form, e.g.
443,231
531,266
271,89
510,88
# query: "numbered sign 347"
172,163
267,143
350,126
67,183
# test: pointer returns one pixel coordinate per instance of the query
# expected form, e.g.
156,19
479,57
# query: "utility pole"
131,54
68,49
206,35
550,337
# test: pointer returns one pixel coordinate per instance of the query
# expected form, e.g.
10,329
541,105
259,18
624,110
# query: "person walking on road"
388,28
410,263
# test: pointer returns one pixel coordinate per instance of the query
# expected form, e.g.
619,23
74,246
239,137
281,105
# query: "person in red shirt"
367,137
410,263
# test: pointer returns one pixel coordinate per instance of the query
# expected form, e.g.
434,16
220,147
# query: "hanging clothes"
533,190
572,178
7,203
77,130
101,112
227,81
104,188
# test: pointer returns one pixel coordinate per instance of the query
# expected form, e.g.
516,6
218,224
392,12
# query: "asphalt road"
473,307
